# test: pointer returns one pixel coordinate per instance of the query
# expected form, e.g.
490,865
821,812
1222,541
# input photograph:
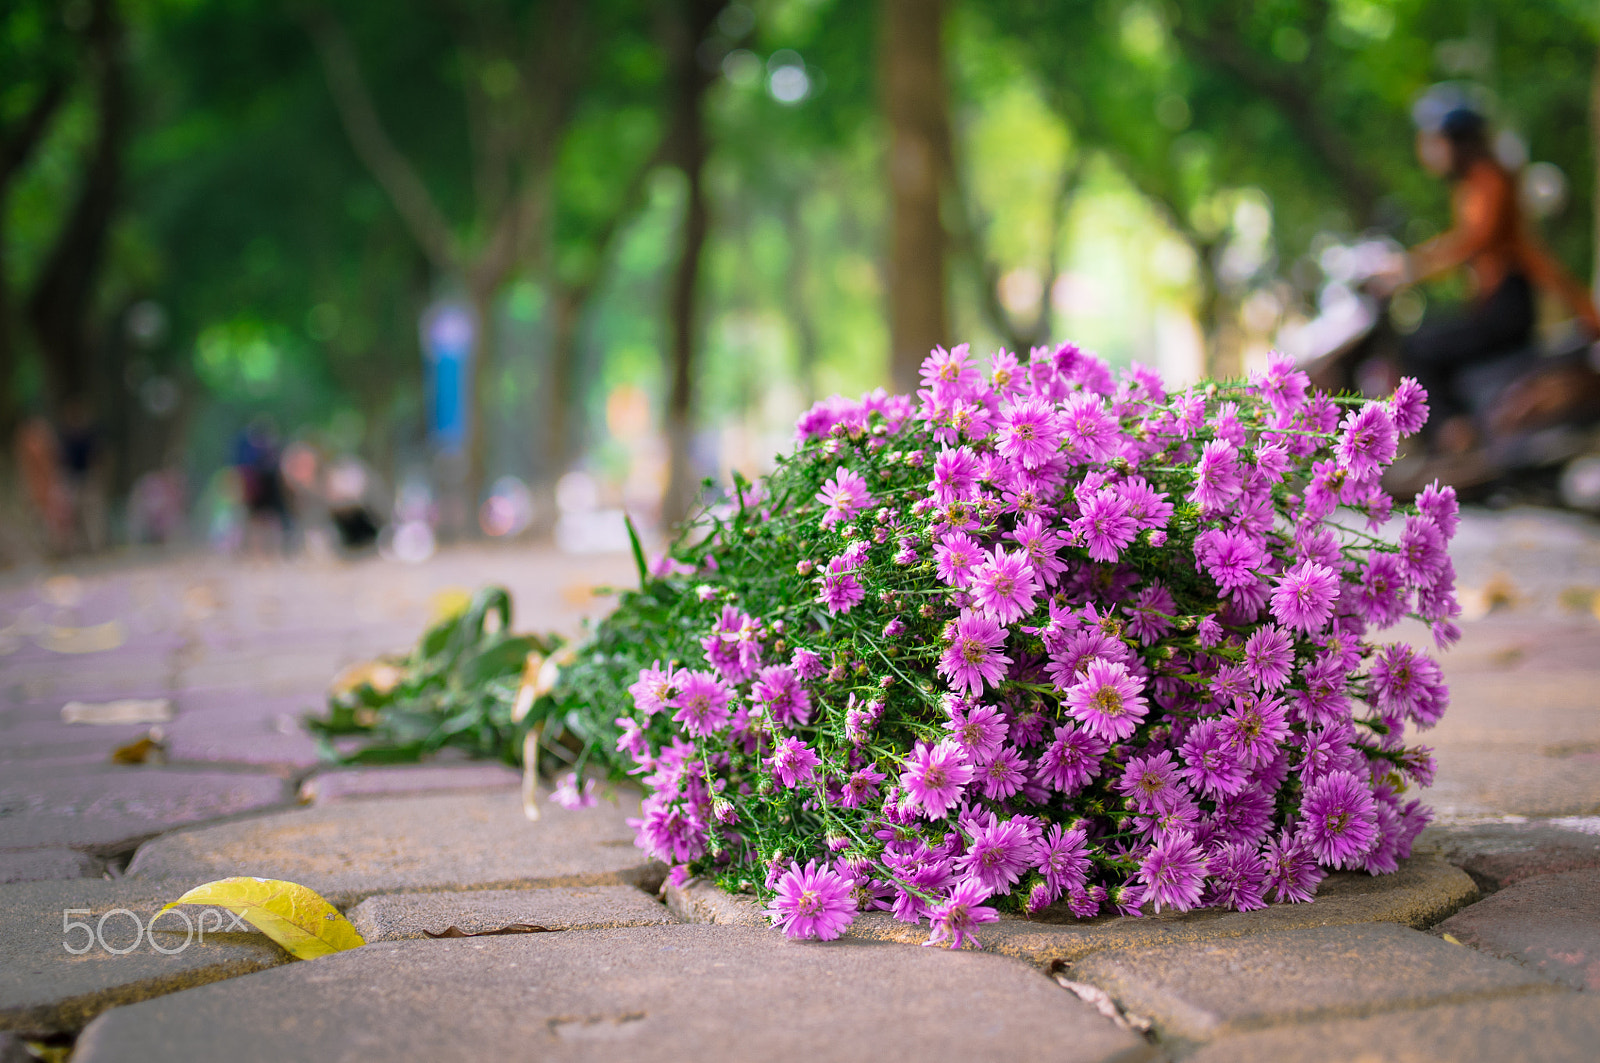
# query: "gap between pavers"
1547,1028
1424,891
402,916
705,993
1198,992
43,865
1497,855
345,784
352,850
1549,922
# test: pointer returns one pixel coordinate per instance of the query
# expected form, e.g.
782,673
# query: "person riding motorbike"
1504,261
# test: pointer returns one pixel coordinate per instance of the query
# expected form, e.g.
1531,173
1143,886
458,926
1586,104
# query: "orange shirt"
1491,240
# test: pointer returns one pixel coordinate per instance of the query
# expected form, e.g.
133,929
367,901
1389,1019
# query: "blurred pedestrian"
1504,261
257,462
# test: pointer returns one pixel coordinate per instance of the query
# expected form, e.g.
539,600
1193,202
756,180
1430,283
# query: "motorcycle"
1535,411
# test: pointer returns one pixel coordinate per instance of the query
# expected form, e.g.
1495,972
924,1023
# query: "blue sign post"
448,335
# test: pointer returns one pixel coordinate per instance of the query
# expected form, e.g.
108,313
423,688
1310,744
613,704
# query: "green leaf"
638,550
293,915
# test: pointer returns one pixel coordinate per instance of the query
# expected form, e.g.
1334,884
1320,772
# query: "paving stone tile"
111,807
396,916
1498,854
1549,922
651,993
37,865
44,988
328,787
1548,1028
1422,892
13,1050
1199,992
351,850
273,744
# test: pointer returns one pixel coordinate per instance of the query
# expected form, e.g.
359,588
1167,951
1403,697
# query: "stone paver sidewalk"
1486,945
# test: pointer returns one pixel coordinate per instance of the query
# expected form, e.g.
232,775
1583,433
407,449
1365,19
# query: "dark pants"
1438,352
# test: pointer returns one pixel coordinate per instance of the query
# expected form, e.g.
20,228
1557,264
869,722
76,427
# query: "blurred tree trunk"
915,105
60,305
1594,154
687,146
794,295
516,139
17,144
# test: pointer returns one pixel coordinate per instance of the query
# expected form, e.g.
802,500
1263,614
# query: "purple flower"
1230,558
1411,683
701,704
840,590
1088,429
1439,505
973,657
779,689
1269,657
1211,764
1107,701
813,902
955,555
1151,782
844,496
1028,432
669,831
979,730
570,795
1003,774
1382,595
1409,406
1254,727
1422,551
955,475
1368,442
794,763
1304,596
1105,525
1003,586
934,778
734,645
653,690
1173,872
955,920
1063,856
861,788
949,374
1292,870
1040,544
997,856
1238,878
1217,480
1070,760
1339,819
807,664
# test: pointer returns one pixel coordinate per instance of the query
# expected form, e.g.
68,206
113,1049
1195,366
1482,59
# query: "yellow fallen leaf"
121,711
293,915
1452,939
381,675
527,692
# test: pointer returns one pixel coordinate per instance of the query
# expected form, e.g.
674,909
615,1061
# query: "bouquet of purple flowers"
1044,635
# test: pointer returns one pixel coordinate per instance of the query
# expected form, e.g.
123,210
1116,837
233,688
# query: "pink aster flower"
955,475
951,374
1040,544
955,556
1088,430
979,729
1173,872
1304,596
999,853
1003,774
669,831
812,902
1211,764
1217,479
861,787
1003,586
955,920
1269,657
1409,407
934,778
1292,870
1105,525
1368,442
845,495
839,589
701,704
973,657
1339,819
1238,877
653,689
779,689
1151,782
1230,558
794,763
1064,857
1108,701
1028,432
1071,759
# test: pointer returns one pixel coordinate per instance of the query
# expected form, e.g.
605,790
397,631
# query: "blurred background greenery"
678,222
